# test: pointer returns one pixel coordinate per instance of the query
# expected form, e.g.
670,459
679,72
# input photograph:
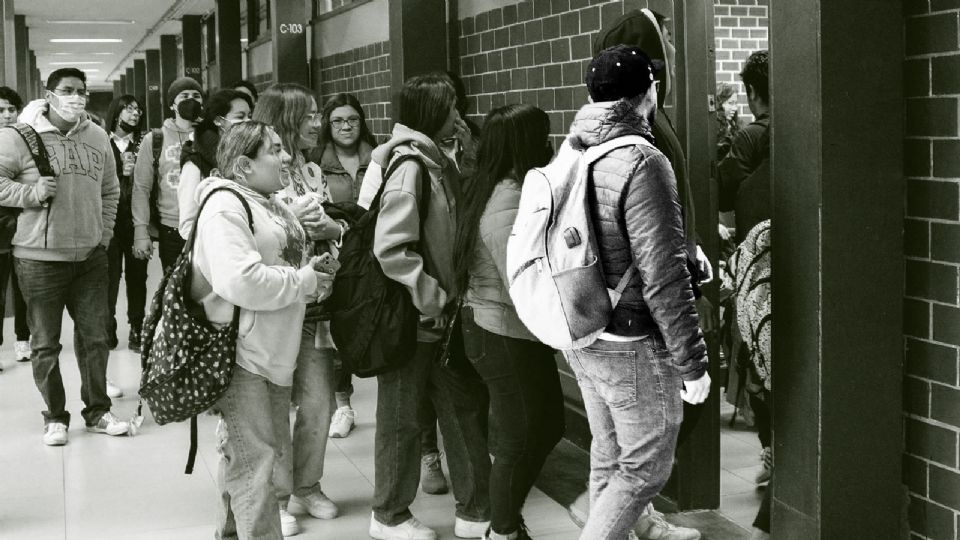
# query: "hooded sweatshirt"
260,272
174,138
639,28
427,272
82,214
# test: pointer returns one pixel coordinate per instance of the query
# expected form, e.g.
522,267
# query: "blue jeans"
526,414
313,393
20,326
80,287
460,399
631,392
254,445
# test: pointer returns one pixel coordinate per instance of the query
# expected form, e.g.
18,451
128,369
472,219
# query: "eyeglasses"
338,123
133,109
68,91
314,118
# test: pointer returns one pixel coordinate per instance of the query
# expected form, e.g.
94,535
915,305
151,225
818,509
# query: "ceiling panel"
100,59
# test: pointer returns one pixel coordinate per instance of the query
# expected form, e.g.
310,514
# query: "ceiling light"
88,70
89,21
74,63
86,40
101,54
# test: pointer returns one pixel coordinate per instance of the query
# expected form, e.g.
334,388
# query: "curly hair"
756,74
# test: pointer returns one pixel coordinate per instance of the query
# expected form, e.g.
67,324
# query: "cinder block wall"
740,27
365,73
932,246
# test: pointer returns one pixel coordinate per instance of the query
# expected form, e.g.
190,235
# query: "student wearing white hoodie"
263,272
60,247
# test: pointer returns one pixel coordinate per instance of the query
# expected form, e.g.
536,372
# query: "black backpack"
373,321
10,214
187,362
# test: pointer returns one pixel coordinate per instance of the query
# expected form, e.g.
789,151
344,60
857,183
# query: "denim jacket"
638,220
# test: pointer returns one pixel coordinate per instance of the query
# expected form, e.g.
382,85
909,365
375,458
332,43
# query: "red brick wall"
932,246
534,52
740,27
365,73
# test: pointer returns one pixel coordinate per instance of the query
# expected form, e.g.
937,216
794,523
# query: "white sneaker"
653,526
343,422
766,462
55,434
289,526
110,424
410,529
316,503
470,529
113,390
22,351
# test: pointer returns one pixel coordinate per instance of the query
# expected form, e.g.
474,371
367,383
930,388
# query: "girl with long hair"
292,110
427,116
526,403
727,116
343,155
262,268
198,157
124,124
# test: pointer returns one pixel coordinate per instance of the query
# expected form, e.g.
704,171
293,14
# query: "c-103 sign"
291,28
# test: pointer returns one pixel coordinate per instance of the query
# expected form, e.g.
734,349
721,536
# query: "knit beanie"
179,85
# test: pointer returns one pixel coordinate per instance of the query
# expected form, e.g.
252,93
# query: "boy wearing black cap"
185,98
652,355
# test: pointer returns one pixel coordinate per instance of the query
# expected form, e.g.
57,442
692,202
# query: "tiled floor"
133,488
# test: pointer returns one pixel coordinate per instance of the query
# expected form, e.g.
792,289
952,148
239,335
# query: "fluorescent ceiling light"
88,70
101,54
74,63
86,40
89,21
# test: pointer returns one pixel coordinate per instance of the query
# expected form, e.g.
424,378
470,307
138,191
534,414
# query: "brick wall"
932,246
364,72
534,52
740,27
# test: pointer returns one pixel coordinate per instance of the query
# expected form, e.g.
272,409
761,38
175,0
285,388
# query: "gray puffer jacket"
638,220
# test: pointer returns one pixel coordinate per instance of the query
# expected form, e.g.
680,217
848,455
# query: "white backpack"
556,279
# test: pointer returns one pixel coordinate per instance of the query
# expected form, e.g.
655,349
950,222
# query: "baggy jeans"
254,444
461,402
314,384
81,287
631,391
527,414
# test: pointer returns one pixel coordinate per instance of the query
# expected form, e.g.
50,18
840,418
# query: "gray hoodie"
168,203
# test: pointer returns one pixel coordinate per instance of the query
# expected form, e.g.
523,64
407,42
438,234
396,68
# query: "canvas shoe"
343,422
470,529
410,529
766,462
55,434
653,526
289,526
113,390
22,351
432,480
315,503
110,424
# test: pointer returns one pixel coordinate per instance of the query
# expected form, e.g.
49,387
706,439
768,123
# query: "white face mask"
68,107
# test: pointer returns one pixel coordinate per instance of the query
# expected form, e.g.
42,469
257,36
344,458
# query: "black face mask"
190,110
129,128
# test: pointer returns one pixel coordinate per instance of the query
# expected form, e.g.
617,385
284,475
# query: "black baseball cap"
621,71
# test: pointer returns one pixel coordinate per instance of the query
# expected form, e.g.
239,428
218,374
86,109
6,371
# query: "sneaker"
432,480
134,340
653,526
766,462
410,529
55,434
342,423
315,503
519,534
470,529
22,351
110,424
289,526
113,390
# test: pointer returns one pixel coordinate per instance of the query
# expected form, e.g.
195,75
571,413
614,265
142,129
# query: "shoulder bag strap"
37,149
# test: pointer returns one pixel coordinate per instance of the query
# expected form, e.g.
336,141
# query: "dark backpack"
9,214
372,318
187,362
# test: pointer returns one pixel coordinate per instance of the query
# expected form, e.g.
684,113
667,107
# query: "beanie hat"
620,72
179,85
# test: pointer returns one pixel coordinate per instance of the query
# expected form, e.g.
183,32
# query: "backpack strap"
37,149
156,143
426,190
